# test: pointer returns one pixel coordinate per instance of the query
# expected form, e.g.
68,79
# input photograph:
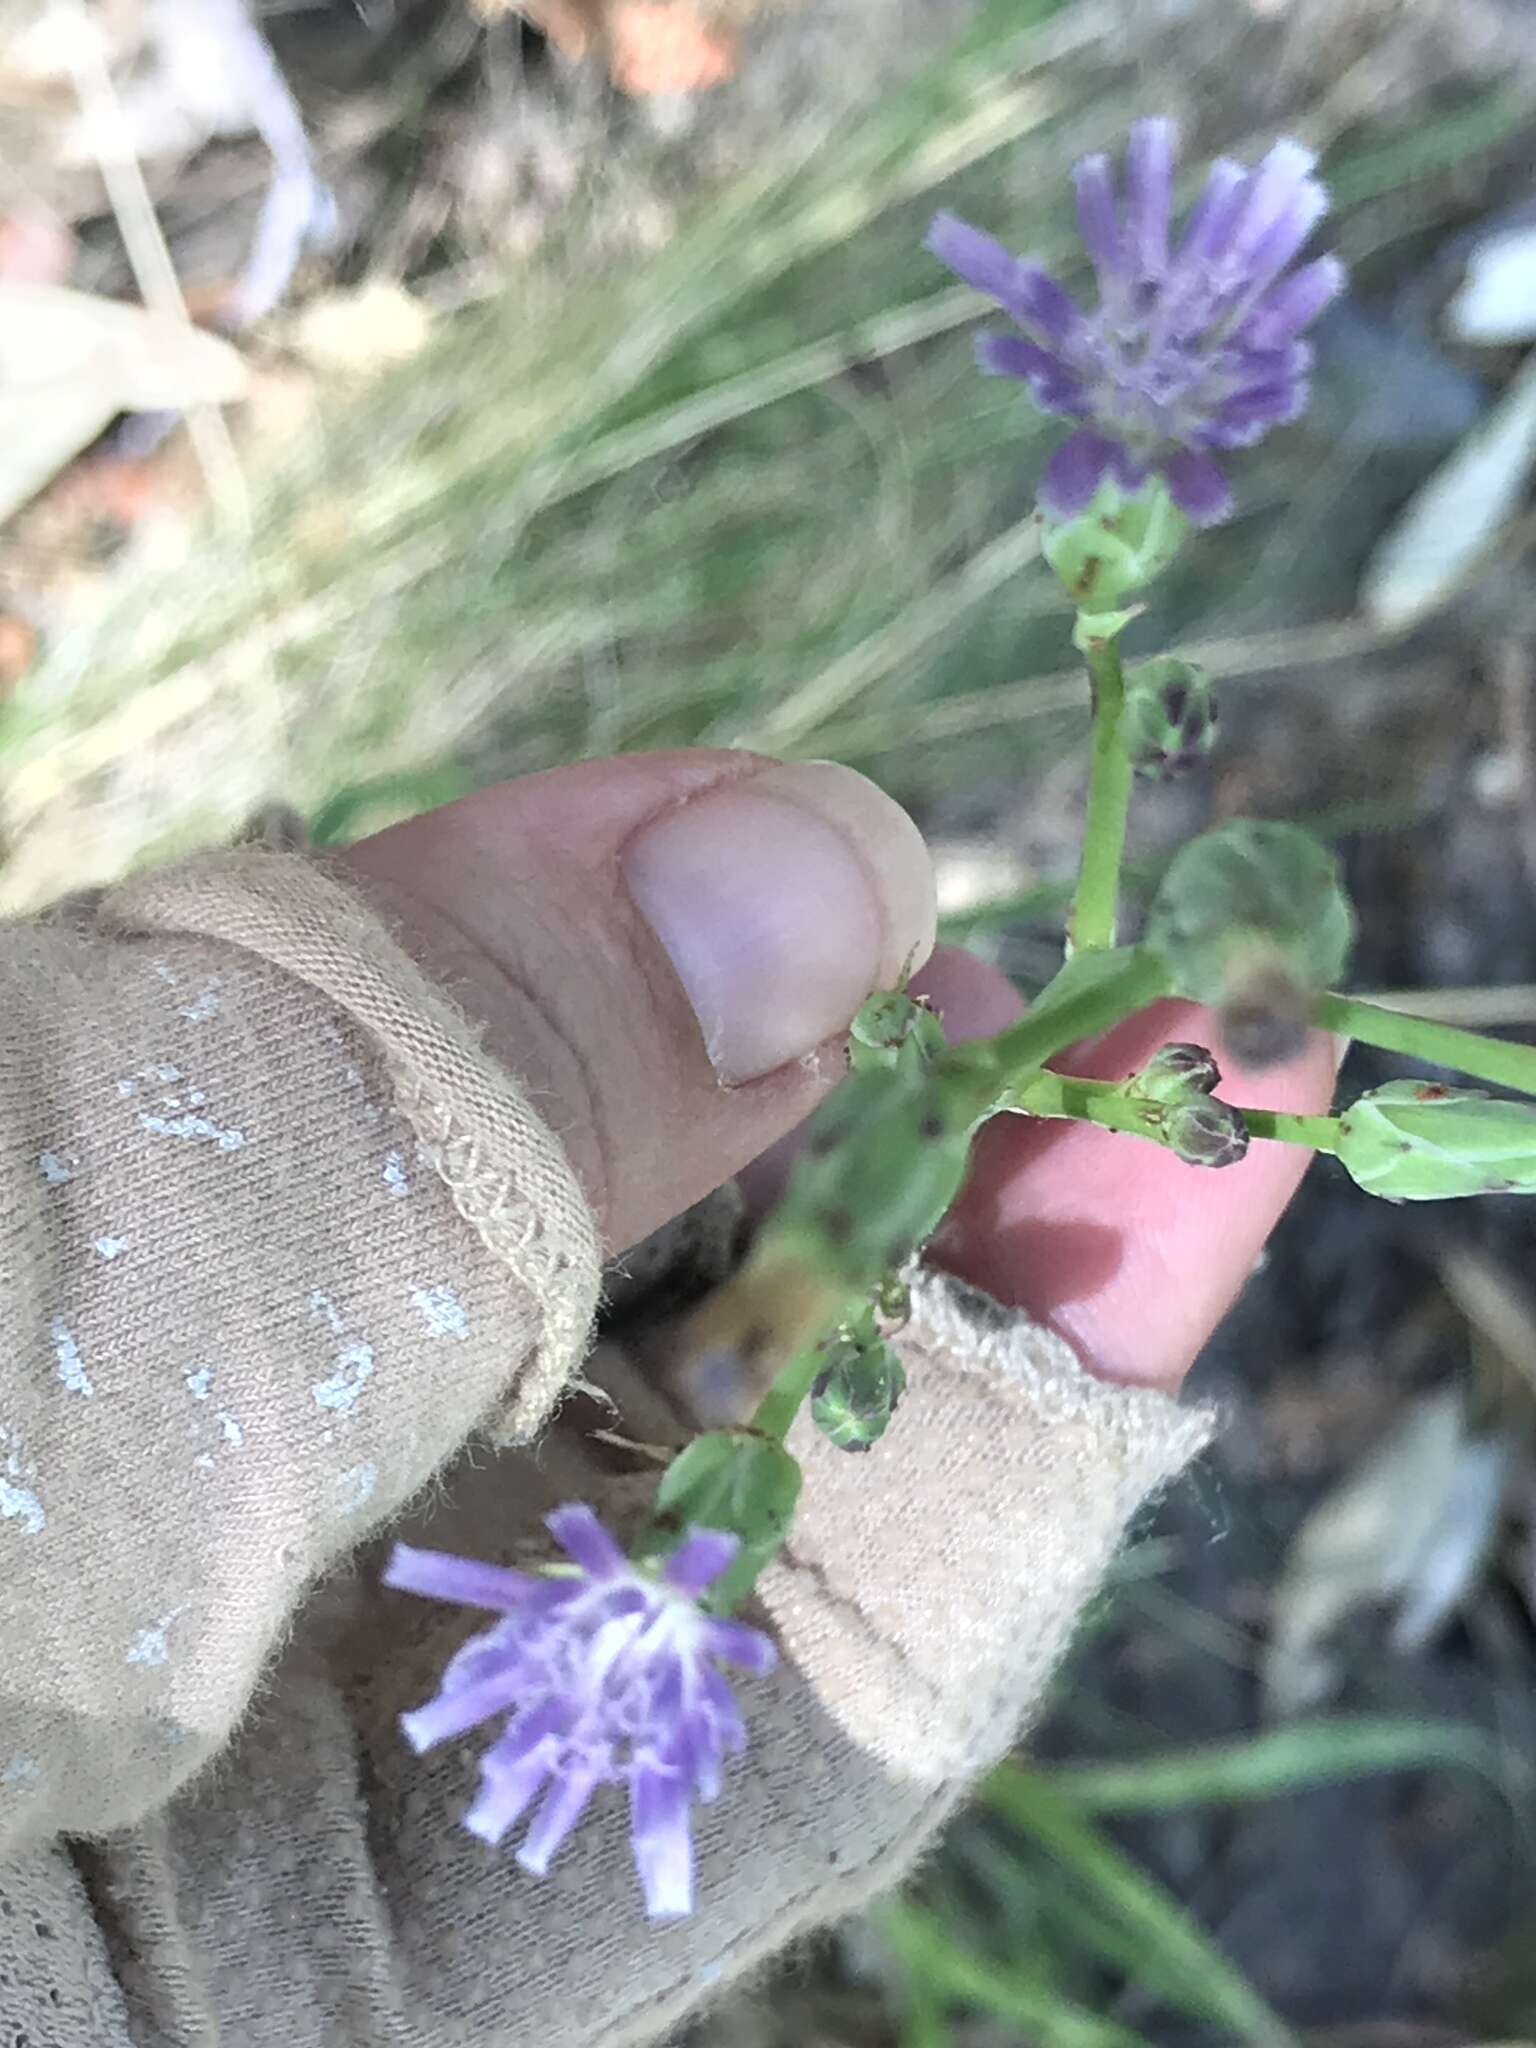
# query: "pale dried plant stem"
148,256
1472,1008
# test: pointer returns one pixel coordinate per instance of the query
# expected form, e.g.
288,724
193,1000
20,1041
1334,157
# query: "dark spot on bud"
837,1224
1431,1091
1265,1019
1176,701
1086,577
932,1126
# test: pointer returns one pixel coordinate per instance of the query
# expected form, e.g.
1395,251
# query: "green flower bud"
892,1030
1205,1132
730,1479
1174,1074
855,1393
1418,1141
1117,545
1170,716
1253,918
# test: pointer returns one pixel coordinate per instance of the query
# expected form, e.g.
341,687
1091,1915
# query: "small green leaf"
730,1479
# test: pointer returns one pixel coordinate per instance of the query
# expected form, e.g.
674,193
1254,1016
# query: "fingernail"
782,902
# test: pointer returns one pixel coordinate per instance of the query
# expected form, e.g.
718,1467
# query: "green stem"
1442,1045
1079,1003
782,1402
1091,1102
1320,1132
1092,921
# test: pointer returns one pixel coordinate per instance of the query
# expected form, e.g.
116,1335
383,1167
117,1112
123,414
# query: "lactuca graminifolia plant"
606,1668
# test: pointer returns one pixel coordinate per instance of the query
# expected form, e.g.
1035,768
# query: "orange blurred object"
18,648
662,46
651,46
36,246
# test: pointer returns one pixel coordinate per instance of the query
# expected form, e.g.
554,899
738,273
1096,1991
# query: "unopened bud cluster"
1195,1127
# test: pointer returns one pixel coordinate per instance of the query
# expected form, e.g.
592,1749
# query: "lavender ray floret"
1274,193
1149,194
455,1713
569,1793
1197,487
717,1699
1025,290
1075,472
1294,303
697,1751
586,1542
738,1644
1098,220
440,1575
1247,416
494,1649
506,1792
1276,249
1055,387
1209,226
663,1843
700,1559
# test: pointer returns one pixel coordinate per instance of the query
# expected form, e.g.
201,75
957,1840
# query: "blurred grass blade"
1189,1964
1016,1996
1290,1759
734,398
980,95
923,2021
821,696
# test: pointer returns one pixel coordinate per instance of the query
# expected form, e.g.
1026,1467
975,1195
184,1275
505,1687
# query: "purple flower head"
1191,348
605,1675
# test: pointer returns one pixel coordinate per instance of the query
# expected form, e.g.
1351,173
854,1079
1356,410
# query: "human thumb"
667,948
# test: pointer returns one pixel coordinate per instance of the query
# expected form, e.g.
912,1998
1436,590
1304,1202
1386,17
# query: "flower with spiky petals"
1192,349
605,1674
